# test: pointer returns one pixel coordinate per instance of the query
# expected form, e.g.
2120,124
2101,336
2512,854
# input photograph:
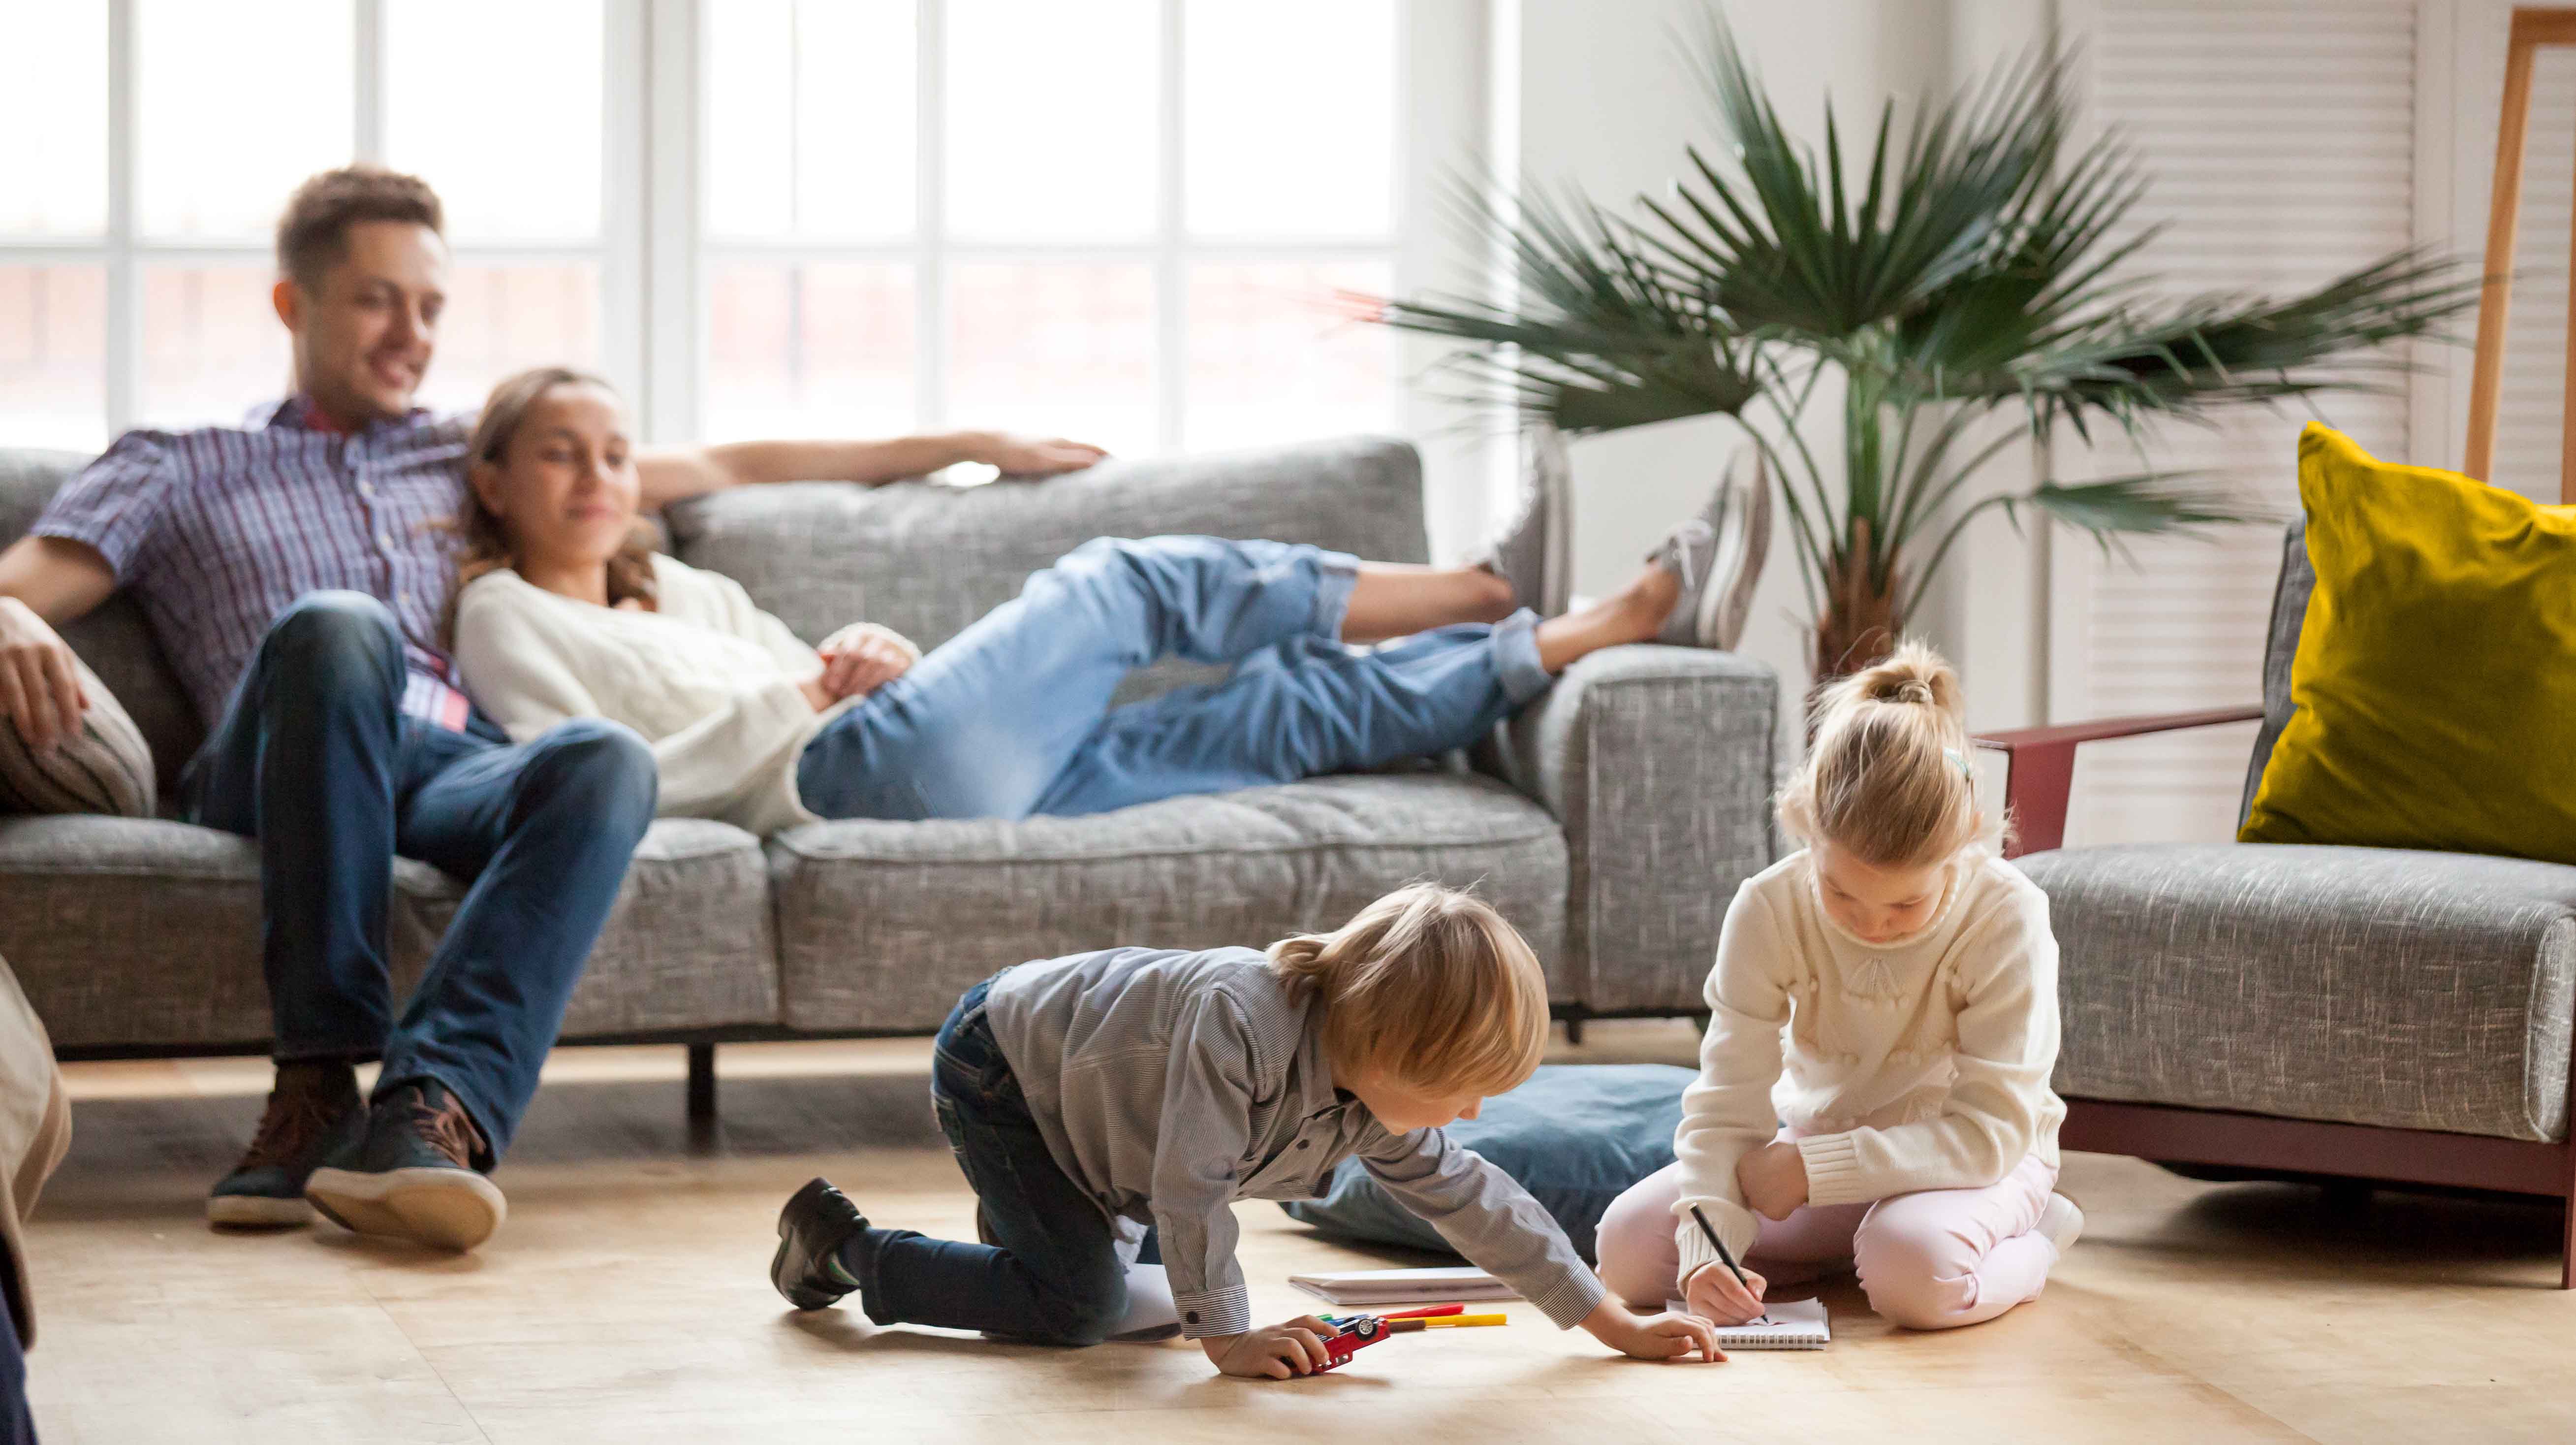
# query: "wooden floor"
626,1301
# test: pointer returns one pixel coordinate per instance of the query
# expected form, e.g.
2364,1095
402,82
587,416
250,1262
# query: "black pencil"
1723,1257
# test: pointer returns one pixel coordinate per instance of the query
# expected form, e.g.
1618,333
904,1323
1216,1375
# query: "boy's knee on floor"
1086,1318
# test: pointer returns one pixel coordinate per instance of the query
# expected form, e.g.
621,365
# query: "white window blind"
2281,139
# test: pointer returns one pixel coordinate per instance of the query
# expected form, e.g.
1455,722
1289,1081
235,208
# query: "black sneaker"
818,1219
312,1111
416,1173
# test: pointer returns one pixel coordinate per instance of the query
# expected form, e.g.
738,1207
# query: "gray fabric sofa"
1611,820
2370,1013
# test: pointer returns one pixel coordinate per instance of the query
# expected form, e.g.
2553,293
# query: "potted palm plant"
1975,267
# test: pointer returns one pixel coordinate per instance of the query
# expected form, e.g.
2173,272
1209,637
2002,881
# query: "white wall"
1604,102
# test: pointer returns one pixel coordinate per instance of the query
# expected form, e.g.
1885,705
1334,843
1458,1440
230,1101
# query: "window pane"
53,90
236,111
53,356
821,350
1273,360
1055,348
810,118
1050,117
212,345
496,103
1291,118
503,319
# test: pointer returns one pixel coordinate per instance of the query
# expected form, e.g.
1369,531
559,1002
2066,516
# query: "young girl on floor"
1910,1132
1089,1098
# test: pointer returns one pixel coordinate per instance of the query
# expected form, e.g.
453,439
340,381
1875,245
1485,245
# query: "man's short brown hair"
313,235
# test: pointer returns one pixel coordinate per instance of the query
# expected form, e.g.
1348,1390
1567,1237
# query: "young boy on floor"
1090,1097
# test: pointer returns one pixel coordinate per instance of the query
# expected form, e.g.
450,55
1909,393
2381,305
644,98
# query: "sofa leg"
1574,1030
702,1084
2567,1249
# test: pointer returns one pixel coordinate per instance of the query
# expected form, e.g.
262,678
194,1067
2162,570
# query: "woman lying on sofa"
563,610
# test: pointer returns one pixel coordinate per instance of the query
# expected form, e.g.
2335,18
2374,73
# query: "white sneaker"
1718,556
1534,550
2061,1222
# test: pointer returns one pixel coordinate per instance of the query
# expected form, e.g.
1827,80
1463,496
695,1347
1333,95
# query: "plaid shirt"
217,531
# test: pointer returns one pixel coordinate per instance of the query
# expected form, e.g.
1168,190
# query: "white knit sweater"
710,680
1922,1063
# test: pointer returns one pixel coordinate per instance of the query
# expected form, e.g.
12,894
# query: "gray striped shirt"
1170,1084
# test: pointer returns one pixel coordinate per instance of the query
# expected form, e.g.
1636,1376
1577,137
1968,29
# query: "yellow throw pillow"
2435,681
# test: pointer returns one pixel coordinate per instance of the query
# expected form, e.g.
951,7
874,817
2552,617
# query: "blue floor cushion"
1575,1136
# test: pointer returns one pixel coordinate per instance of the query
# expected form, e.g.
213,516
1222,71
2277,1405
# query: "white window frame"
1439,114
126,254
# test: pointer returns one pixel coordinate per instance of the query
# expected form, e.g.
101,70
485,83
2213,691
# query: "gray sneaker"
1718,555
1534,551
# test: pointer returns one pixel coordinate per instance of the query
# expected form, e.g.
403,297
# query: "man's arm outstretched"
672,474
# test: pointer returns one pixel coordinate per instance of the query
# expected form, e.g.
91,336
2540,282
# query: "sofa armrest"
1657,763
2039,766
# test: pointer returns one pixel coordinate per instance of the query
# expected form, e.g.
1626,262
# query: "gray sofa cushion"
926,560
688,945
113,640
133,932
2360,985
882,925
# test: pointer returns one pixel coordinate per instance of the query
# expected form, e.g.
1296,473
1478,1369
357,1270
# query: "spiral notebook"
1797,1324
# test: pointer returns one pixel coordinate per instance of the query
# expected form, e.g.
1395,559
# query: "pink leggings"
1929,1261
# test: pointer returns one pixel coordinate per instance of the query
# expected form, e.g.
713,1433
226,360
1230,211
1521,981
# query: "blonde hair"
1428,985
1887,778
483,544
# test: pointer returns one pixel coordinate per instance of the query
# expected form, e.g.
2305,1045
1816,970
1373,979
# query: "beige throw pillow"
107,769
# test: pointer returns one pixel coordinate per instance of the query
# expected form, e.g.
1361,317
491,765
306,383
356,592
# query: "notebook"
1797,1324
1403,1286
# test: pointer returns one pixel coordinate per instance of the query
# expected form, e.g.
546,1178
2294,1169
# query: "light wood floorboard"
626,1301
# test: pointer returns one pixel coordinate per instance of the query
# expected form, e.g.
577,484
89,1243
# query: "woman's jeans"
1012,717
1051,1271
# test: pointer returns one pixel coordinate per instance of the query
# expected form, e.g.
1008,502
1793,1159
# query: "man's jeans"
1012,717
1052,1271
315,759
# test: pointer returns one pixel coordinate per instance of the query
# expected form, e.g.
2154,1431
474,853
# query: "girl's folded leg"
1943,1258
1306,708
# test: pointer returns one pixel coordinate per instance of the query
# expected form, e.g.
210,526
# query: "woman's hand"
1651,1337
1273,1353
1713,1295
1774,1179
862,657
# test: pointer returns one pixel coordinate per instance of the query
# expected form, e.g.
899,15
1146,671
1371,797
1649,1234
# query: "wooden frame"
2532,29
2040,769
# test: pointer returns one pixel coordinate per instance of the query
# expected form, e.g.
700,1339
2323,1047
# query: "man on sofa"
293,571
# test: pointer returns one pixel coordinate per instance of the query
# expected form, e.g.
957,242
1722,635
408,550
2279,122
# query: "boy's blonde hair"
1428,985
1887,779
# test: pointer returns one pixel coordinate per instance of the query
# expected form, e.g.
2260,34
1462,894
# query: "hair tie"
1959,760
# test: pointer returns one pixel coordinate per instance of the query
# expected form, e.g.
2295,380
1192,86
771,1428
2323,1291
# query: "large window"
1120,219
135,235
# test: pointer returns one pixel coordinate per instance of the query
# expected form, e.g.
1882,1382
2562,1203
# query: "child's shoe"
1718,556
2060,1222
1534,551
818,1219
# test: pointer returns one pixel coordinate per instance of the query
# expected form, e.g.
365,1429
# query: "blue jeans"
316,760
1011,717
17,1427
1052,1272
